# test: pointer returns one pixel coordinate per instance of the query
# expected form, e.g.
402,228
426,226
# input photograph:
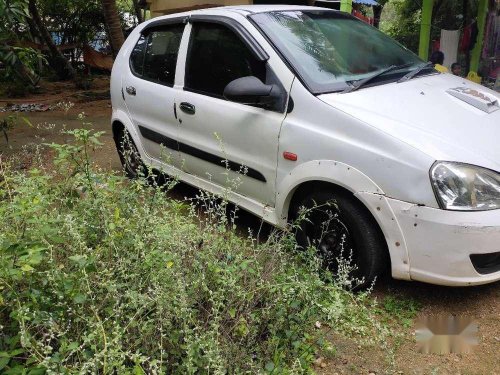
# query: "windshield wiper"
366,80
414,72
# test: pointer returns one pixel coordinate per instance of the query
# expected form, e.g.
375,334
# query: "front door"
233,145
149,93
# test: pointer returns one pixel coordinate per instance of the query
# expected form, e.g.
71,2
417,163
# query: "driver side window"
216,57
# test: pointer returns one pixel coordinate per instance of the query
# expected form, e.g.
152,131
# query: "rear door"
230,144
149,93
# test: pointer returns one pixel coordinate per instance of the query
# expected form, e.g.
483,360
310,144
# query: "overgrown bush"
102,275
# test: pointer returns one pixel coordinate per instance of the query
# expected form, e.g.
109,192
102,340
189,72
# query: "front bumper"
440,243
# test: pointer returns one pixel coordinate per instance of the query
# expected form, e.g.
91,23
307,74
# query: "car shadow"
438,299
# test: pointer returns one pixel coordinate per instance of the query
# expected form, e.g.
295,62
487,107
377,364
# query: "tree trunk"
377,12
35,35
114,27
58,62
138,11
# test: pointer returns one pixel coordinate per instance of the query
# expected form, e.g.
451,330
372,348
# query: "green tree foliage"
19,62
58,61
51,23
82,21
73,21
401,18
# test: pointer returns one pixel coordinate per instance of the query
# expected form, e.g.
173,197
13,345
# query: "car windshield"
329,49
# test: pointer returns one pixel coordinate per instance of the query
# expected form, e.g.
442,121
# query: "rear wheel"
344,234
129,155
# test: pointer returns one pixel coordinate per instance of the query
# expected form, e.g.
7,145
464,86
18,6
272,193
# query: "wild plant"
100,274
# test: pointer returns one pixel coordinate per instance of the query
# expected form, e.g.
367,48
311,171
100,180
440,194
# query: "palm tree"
113,25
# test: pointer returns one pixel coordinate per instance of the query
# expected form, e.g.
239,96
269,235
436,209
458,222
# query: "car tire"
335,223
129,155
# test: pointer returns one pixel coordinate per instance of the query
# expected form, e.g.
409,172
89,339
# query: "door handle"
130,90
187,108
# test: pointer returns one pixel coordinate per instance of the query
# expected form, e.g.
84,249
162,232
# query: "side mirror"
251,90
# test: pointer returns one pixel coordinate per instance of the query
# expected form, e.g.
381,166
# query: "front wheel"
344,233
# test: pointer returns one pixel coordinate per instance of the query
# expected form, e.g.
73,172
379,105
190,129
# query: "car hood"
444,116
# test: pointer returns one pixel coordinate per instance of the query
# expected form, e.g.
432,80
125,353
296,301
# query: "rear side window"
216,57
159,50
137,56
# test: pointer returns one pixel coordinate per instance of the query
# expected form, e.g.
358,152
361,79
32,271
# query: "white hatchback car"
308,105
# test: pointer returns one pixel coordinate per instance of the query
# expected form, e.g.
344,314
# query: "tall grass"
99,274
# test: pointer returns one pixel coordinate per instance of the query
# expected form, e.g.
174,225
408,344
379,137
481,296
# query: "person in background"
437,58
456,69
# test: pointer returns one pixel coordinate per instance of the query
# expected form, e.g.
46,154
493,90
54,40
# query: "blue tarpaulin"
365,2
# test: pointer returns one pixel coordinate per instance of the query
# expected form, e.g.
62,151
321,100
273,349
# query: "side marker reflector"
290,156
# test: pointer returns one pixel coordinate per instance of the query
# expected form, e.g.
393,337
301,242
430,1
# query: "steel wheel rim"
333,241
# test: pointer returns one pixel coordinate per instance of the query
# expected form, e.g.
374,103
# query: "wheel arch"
348,180
119,122
117,128
303,189
314,172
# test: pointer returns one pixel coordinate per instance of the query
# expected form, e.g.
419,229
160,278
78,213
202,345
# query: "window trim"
245,36
159,25
164,22
132,70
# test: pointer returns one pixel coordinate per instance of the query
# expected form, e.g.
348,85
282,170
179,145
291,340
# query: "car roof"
241,9
270,8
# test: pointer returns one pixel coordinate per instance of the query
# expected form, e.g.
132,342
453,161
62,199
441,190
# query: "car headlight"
465,187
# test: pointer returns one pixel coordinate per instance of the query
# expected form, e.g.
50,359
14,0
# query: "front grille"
486,263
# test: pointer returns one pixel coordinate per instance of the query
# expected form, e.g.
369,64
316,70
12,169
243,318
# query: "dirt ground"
480,303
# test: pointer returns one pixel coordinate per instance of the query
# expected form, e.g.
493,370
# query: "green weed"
99,274
404,310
